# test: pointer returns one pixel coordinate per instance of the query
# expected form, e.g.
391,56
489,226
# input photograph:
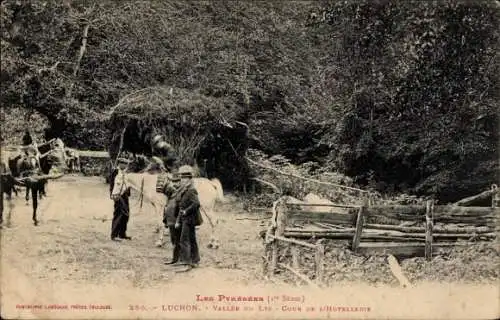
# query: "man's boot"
184,268
170,262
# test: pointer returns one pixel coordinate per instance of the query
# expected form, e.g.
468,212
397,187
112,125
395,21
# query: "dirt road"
69,260
72,241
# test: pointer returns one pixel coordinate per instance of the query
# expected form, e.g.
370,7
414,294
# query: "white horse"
145,185
210,192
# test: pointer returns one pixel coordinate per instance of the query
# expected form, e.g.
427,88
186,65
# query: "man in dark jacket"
170,214
120,193
188,204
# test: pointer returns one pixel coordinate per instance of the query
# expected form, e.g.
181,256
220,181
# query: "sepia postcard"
249,160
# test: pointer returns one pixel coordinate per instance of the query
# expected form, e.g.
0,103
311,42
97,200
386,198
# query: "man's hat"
186,171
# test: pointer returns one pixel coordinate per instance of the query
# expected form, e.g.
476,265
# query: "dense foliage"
399,95
425,89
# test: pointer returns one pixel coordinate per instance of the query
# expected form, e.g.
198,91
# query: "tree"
424,91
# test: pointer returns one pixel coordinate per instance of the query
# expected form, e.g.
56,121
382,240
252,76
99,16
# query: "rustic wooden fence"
402,230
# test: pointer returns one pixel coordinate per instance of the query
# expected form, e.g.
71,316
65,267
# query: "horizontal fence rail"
408,230
81,153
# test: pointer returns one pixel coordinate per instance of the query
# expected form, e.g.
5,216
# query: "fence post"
429,217
320,257
280,230
359,228
495,199
371,200
295,256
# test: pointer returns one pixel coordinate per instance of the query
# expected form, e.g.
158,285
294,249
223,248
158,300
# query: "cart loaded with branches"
201,130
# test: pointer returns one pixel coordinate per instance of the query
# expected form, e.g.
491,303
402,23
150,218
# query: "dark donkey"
26,171
7,186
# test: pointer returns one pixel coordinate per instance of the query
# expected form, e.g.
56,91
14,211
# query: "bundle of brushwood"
200,129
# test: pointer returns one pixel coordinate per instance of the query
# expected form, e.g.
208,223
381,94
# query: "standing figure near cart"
171,211
120,193
187,220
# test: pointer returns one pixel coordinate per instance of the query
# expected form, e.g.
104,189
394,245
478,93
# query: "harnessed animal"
32,170
7,186
145,183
